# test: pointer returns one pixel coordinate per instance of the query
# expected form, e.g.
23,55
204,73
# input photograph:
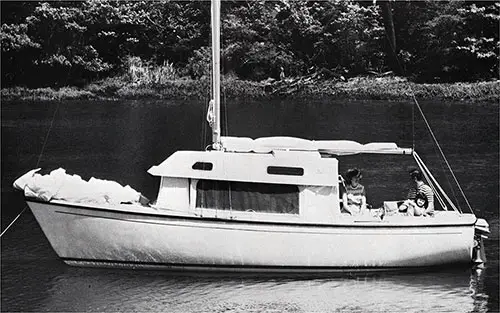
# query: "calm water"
121,140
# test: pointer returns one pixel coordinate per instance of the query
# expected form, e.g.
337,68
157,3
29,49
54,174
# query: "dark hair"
415,173
422,196
351,173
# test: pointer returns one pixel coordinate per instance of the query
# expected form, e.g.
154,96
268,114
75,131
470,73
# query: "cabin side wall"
319,204
173,194
316,204
267,177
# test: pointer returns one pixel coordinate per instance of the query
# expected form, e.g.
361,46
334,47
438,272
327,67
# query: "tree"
74,42
392,51
459,42
17,48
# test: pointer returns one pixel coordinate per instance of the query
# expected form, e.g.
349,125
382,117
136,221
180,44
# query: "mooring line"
37,163
14,221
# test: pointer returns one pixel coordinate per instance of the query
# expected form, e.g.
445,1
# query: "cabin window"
243,196
203,166
285,170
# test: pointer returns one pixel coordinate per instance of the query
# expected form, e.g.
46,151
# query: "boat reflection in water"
456,290
478,290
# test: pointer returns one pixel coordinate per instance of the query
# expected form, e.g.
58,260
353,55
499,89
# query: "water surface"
120,140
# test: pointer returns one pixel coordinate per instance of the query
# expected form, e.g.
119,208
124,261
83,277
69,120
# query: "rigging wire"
442,153
426,174
226,132
429,177
48,133
37,163
412,92
413,127
417,104
203,126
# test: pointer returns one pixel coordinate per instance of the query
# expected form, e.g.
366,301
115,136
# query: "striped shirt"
426,190
355,194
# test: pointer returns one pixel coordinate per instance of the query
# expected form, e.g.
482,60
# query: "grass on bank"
395,88
357,88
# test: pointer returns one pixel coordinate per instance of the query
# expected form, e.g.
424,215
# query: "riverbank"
358,88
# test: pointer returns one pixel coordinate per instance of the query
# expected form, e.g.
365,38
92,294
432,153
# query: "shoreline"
357,88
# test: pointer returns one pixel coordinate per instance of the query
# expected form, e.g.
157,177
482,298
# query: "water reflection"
79,289
477,289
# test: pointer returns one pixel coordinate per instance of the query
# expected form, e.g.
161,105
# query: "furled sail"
335,147
61,186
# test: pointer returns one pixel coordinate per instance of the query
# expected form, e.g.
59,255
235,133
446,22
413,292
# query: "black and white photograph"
250,156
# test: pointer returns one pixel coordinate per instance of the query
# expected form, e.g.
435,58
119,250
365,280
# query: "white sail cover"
337,147
61,186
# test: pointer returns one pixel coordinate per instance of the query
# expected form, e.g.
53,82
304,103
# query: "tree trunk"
390,33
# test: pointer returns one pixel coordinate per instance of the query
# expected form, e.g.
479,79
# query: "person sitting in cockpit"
354,197
425,192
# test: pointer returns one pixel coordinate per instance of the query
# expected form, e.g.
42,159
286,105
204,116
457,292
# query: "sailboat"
267,205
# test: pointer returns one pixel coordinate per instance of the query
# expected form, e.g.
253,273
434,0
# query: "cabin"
274,178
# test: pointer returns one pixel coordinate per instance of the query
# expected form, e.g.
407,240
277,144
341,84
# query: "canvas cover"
62,186
335,147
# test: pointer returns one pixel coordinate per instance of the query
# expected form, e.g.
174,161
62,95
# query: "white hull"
93,236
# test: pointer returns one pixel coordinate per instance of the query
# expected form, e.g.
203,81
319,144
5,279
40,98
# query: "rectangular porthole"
285,170
203,166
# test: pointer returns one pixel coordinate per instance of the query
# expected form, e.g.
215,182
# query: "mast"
216,141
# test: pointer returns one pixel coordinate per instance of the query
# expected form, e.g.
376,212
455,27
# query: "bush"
65,93
144,73
200,64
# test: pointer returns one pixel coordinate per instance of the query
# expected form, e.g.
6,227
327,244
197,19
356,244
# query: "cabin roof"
279,167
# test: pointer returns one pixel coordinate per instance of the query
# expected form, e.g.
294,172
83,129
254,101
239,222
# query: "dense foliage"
73,43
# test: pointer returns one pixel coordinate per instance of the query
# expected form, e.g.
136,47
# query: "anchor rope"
12,223
37,163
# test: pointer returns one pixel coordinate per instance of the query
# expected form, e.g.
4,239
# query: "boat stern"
481,231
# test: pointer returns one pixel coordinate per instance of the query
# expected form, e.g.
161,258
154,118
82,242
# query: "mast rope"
226,131
37,163
203,126
227,134
412,94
